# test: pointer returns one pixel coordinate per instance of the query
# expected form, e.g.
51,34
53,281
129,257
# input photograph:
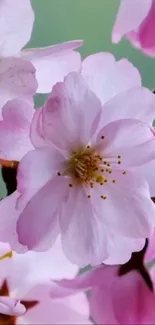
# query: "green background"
89,20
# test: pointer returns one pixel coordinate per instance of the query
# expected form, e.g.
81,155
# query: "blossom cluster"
79,173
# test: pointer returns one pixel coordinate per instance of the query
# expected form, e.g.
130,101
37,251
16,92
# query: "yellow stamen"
7,255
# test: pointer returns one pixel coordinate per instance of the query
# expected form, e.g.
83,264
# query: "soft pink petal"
84,281
127,210
84,237
44,206
53,63
132,139
11,306
130,15
101,307
36,132
42,52
16,22
17,80
121,249
4,249
9,216
14,129
71,113
37,168
133,301
146,31
147,171
56,264
68,310
106,77
150,253
137,102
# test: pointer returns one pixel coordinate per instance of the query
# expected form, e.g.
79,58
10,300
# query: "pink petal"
133,301
9,216
134,103
68,310
101,307
84,238
36,132
130,15
37,168
16,22
17,80
11,306
14,129
127,210
132,139
146,34
71,113
150,253
147,171
57,265
53,63
44,206
106,77
121,249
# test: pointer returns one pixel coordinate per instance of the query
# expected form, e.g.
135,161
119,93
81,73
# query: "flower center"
84,166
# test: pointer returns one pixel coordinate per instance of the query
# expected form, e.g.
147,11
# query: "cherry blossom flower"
136,21
27,278
52,63
87,190
126,99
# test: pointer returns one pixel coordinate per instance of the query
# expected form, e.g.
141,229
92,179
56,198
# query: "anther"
101,183
108,164
114,180
102,137
107,170
110,171
119,156
102,170
124,173
70,185
88,147
103,197
105,162
91,185
59,174
119,162
105,180
89,196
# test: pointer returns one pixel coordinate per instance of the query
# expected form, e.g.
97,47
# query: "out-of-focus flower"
52,63
87,187
27,278
117,298
136,21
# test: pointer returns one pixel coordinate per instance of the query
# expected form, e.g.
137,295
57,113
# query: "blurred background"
90,20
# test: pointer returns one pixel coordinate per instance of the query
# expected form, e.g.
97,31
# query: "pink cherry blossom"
136,21
80,169
115,299
126,99
52,63
28,277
